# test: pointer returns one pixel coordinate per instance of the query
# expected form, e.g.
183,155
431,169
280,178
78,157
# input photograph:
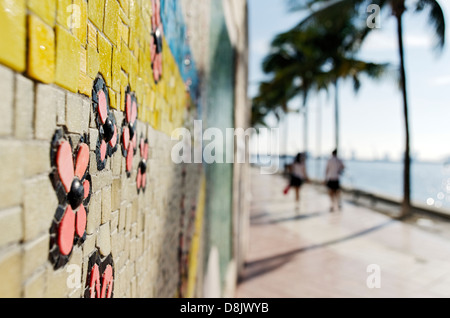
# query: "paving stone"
45,112
40,204
12,157
104,239
95,213
77,114
35,254
10,272
11,228
24,108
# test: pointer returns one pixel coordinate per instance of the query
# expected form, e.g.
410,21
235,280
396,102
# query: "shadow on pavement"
259,218
263,266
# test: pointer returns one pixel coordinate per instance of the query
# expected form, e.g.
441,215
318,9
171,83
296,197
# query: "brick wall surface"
52,54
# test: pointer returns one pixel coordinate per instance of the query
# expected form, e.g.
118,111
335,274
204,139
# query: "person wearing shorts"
298,175
333,172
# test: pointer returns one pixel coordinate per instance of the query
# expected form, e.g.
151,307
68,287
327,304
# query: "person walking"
298,175
334,170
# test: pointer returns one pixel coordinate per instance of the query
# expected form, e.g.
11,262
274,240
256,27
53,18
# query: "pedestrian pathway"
305,251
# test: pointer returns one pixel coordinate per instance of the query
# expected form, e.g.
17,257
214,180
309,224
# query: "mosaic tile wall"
91,204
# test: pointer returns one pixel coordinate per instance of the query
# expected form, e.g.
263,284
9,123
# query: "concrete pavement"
304,251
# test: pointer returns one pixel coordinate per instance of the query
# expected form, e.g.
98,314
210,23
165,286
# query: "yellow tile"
41,50
124,17
13,29
132,9
67,60
133,74
148,62
112,99
122,97
45,9
116,68
149,117
96,12
141,64
112,20
123,86
83,61
105,50
80,21
140,112
125,57
124,32
124,5
134,45
147,21
152,100
93,61
85,85
92,35
63,13
131,38
156,120
118,99
124,81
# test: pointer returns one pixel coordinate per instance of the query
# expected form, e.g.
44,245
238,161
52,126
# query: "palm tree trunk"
406,206
336,114
286,129
319,137
305,129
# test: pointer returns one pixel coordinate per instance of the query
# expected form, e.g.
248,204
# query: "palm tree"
285,66
331,11
345,68
322,55
297,67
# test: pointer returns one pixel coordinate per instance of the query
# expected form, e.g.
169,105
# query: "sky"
372,125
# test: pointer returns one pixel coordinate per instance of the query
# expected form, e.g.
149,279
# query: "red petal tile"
102,106
103,149
94,284
155,73
81,221
130,158
128,108
126,137
64,163
66,232
107,282
82,161
134,142
144,180
113,141
87,188
145,155
139,180
133,112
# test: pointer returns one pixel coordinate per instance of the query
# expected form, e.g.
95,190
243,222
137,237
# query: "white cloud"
260,47
384,41
418,41
380,41
443,80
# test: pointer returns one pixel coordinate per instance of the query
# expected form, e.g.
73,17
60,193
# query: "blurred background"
371,119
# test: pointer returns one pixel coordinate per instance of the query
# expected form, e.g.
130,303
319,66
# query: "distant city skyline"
372,121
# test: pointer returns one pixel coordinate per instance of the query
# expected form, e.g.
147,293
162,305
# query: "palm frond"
436,19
